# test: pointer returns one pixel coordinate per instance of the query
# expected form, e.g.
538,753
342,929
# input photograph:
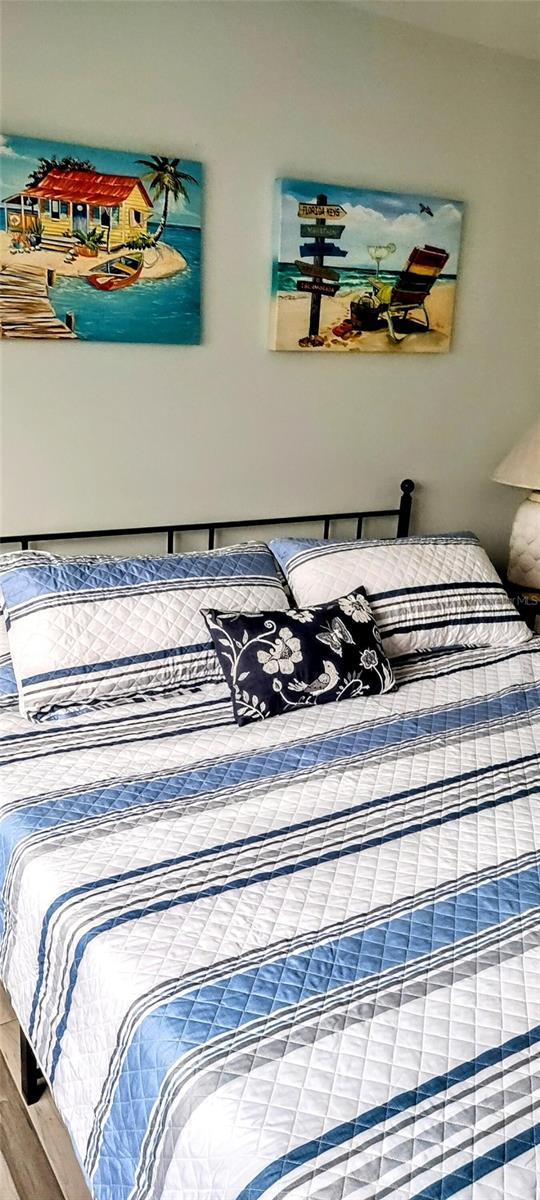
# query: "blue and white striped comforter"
299,959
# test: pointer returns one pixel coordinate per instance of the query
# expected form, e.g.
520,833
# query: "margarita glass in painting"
361,270
101,245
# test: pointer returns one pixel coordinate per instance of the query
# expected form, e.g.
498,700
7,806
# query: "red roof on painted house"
90,187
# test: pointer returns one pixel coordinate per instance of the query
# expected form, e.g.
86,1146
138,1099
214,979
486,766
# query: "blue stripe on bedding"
471,1172
132,660
50,814
283,547
427,588
20,586
182,1025
8,683
513,793
377,1116
449,622
249,880
211,1034
234,885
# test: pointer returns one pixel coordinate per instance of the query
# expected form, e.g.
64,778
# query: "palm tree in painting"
166,180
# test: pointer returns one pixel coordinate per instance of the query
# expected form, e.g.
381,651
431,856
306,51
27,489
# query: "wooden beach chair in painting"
395,301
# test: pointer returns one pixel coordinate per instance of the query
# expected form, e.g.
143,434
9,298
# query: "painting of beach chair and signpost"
361,270
101,245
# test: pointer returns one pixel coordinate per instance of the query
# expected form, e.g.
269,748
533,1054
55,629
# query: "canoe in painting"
117,273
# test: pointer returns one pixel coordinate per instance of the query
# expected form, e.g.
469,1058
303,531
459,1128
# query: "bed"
295,959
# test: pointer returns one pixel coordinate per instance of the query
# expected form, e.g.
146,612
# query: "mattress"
297,959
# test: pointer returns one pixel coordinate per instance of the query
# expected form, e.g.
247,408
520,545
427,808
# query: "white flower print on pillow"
283,655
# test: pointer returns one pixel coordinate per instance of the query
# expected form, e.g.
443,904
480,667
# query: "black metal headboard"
402,513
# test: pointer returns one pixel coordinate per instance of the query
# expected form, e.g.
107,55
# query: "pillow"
88,628
302,657
425,592
12,560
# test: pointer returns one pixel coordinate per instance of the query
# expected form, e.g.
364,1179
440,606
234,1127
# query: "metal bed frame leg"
32,1081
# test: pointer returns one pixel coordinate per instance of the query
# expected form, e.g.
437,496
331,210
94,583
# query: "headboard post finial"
405,505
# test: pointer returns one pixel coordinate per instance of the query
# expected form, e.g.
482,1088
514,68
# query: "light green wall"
108,434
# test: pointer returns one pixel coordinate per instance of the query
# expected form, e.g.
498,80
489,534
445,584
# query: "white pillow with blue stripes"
89,628
424,592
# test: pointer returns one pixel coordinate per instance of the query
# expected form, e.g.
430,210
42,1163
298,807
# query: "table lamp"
521,468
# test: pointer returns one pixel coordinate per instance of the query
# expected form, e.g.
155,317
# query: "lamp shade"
521,467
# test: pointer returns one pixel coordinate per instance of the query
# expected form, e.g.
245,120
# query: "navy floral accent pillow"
276,662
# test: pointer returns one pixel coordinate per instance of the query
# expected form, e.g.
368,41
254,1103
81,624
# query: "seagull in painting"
424,208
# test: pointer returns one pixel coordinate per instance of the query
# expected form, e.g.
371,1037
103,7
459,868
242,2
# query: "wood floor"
36,1158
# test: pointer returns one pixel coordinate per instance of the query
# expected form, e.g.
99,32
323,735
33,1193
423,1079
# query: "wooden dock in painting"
25,308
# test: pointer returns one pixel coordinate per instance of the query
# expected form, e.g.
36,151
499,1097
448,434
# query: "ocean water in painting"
150,311
100,245
285,276
153,310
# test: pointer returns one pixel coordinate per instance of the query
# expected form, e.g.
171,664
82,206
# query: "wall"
97,435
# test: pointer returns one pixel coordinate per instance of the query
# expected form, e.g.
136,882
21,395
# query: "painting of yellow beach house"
99,245
66,201
363,271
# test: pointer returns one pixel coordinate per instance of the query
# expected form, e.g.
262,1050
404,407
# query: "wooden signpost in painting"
322,248
316,272
331,231
317,287
319,213
321,210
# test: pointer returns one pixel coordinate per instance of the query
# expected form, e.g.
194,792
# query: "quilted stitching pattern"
14,561
88,628
428,1052
424,592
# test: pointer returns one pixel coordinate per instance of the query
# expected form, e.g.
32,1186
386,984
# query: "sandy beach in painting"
160,261
290,321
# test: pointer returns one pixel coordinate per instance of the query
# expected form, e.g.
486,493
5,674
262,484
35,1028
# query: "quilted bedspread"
298,959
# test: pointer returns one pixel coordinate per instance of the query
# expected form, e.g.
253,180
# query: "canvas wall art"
361,270
101,245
